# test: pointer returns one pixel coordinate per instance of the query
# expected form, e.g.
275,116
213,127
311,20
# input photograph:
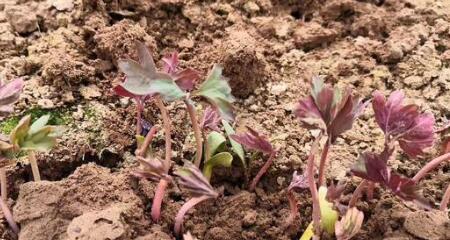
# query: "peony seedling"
253,140
193,181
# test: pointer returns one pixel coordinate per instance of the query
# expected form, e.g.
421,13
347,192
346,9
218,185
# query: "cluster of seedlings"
329,111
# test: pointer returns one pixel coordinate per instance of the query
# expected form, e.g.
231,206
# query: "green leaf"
19,133
44,144
224,159
328,216
308,233
168,89
215,142
39,124
218,92
235,146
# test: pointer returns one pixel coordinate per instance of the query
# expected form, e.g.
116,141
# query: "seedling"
253,140
191,179
9,94
34,137
298,182
349,225
144,81
330,110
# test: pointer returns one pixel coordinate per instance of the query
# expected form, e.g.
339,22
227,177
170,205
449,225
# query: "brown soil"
67,51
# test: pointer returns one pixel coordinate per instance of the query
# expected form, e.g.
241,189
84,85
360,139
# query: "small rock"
278,89
90,92
62,5
251,7
45,103
249,218
414,82
22,19
186,43
67,97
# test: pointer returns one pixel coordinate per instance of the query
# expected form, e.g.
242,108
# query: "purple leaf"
298,182
192,179
254,141
373,167
329,109
9,94
185,78
211,119
170,63
414,131
152,169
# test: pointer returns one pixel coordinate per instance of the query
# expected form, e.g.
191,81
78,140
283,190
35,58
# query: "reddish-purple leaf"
254,141
211,119
298,182
329,109
9,94
121,91
192,179
373,167
152,169
414,131
186,78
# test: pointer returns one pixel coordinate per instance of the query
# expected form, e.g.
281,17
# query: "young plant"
144,81
9,94
216,154
330,110
215,89
192,180
298,182
253,140
349,225
34,137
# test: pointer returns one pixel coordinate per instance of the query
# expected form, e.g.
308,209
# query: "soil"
67,51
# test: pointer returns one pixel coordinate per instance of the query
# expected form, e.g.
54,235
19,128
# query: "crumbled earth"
67,52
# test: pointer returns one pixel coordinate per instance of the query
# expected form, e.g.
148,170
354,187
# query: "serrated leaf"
192,179
218,92
235,146
253,140
215,142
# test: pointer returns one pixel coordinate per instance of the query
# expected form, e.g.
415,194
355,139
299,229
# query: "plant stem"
197,132
4,184
158,199
262,171
323,161
148,139
139,109
313,187
167,132
445,199
430,166
205,140
293,207
8,216
34,166
357,193
183,210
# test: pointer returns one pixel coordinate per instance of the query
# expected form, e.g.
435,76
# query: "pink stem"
197,132
430,166
323,161
262,171
167,132
370,189
148,139
158,199
357,193
8,216
445,199
313,187
293,206
183,210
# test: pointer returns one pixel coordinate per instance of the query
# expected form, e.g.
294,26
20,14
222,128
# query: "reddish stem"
184,209
313,187
293,206
158,199
197,132
148,139
370,189
8,216
430,166
445,199
262,171
357,193
167,132
323,161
